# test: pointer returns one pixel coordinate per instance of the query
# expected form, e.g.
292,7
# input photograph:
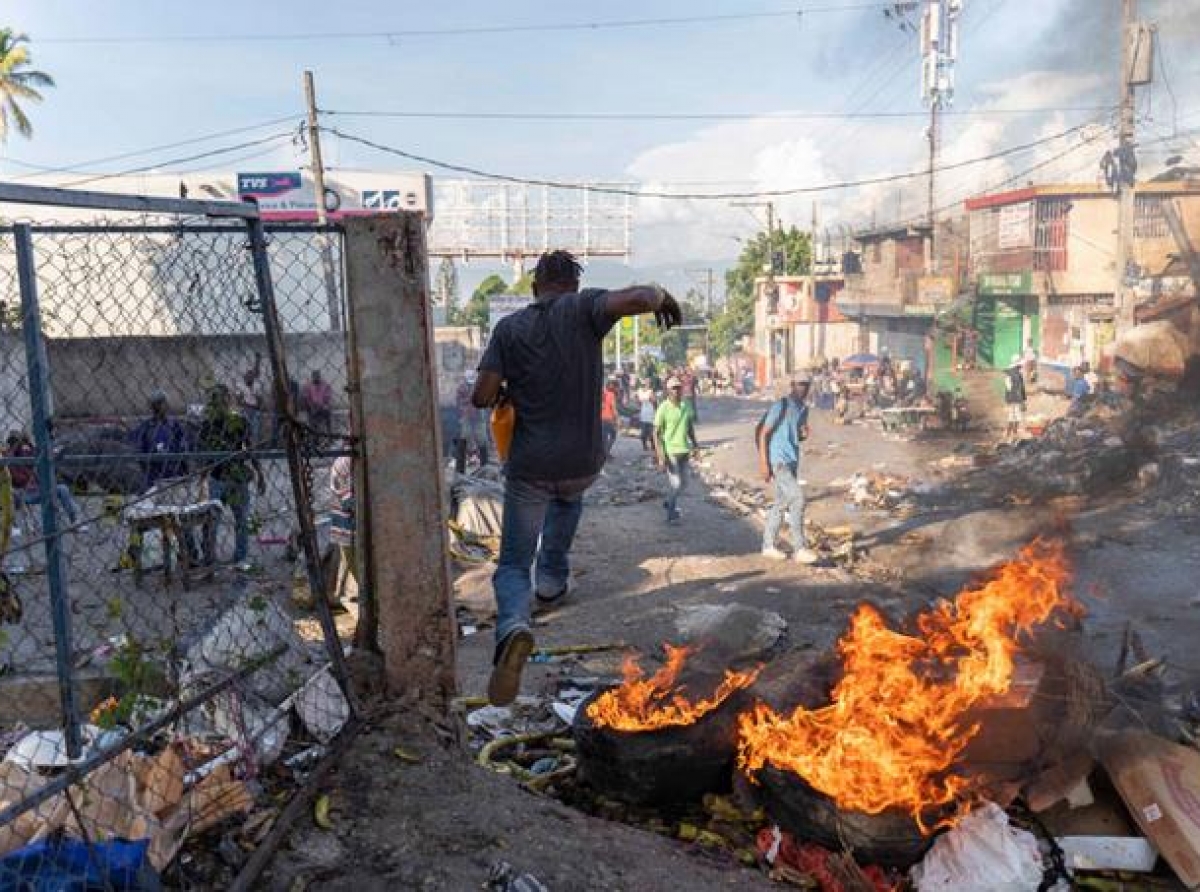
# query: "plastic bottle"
15,559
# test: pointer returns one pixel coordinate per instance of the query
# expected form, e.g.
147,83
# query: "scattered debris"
983,851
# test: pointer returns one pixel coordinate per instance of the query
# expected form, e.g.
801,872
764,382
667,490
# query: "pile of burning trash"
954,750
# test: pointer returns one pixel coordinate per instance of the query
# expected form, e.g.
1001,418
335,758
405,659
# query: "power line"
691,116
224,150
82,166
470,31
697,196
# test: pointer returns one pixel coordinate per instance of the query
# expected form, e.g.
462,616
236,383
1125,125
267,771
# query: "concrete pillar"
403,508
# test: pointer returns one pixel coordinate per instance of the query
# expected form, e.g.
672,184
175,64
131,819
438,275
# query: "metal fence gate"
173,389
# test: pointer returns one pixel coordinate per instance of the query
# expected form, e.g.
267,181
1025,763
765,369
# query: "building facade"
1043,266
796,326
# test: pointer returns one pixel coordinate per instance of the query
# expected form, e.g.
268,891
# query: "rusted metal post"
388,287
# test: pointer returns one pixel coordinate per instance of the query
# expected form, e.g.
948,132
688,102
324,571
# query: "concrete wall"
114,376
841,340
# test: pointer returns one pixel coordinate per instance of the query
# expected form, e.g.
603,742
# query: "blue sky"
120,97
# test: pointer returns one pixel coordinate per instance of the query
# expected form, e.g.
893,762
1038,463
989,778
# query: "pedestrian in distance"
1014,397
163,437
224,430
779,437
317,399
547,361
647,407
674,443
609,414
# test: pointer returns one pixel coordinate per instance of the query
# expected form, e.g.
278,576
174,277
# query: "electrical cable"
468,31
224,150
696,196
82,166
692,116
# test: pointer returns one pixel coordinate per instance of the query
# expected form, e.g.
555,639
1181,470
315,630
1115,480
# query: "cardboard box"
1160,784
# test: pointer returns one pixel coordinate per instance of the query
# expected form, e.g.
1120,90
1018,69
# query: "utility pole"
1131,43
318,174
813,349
939,53
772,293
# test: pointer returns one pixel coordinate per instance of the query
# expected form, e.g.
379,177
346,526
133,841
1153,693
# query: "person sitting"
25,479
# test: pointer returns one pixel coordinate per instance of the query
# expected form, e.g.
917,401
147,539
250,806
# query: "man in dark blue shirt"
160,435
547,359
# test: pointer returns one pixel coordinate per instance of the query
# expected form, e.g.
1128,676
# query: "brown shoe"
511,657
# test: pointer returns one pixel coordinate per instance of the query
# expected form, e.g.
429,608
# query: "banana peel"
321,812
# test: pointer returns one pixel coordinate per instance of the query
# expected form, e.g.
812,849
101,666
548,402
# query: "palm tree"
17,83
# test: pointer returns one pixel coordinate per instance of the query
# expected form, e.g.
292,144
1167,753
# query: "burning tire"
890,839
675,764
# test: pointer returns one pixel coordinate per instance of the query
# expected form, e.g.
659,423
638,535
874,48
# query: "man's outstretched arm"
487,390
640,299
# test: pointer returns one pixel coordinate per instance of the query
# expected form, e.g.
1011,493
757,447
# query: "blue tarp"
69,865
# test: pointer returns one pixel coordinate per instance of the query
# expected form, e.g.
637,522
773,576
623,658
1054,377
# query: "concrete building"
890,294
1043,267
799,327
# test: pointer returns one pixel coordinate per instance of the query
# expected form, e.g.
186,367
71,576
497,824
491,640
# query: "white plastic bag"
982,854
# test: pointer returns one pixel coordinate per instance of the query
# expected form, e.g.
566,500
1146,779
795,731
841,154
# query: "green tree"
18,83
792,255
476,311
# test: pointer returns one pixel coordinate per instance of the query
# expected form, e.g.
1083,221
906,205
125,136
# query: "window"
1149,221
1051,228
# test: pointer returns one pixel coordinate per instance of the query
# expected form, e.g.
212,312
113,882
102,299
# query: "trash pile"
879,491
159,776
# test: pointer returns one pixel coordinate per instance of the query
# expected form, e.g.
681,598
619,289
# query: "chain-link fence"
175,491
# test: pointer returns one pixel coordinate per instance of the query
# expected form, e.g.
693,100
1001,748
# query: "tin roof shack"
1042,261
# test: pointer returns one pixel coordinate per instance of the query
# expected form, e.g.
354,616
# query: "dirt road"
442,823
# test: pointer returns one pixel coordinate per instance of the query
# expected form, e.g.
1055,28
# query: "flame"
648,704
898,718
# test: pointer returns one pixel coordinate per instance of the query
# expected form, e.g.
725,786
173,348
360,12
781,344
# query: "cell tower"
939,52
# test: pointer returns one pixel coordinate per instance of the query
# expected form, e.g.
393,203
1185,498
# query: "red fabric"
608,408
810,858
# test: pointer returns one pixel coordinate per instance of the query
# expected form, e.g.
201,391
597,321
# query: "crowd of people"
212,440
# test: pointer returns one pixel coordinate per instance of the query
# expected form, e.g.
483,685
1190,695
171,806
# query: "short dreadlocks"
557,268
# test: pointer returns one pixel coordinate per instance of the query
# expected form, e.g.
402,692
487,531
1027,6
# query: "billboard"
289,195
501,305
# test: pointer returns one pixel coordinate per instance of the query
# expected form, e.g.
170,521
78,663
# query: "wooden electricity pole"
318,176
1130,43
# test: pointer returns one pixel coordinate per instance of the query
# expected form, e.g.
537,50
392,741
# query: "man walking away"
1014,397
646,413
780,435
674,441
549,357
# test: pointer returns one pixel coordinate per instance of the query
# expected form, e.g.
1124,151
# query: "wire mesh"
149,729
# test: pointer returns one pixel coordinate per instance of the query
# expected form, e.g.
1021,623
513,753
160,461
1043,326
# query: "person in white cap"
674,441
779,439
1014,397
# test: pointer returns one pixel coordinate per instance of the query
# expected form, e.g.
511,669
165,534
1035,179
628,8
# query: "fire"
648,704
898,718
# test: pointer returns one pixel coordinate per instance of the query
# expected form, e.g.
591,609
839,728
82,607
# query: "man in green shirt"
674,440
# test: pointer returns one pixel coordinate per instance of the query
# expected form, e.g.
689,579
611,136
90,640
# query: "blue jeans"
540,519
235,495
789,497
678,472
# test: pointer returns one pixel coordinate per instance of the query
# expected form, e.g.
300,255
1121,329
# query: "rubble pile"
213,776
